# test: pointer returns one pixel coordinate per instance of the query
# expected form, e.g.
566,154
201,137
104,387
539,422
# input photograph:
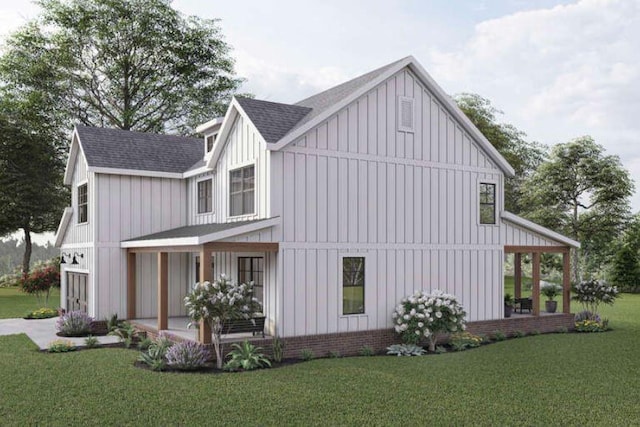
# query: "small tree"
40,282
219,301
592,293
427,315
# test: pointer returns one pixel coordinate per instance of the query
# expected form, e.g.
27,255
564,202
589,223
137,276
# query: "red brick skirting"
351,343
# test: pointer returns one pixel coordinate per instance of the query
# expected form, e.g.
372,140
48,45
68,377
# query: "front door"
77,291
251,269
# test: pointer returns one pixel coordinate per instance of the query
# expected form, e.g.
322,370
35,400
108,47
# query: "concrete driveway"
43,331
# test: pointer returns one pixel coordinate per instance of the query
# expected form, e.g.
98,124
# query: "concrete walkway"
43,332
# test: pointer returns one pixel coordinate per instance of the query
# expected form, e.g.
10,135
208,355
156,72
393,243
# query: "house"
336,207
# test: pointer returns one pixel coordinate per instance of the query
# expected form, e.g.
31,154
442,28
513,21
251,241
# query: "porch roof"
538,230
199,234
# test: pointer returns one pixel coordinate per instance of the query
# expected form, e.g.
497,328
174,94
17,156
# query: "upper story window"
205,196
83,205
487,203
352,285
210,140
406,114
242,191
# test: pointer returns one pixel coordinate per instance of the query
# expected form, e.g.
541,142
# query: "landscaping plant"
187,356
307,354
366,351
405,350
423,315
40,282
591,294
215,302
74,324
154,357
61,346
42,313
91,342
461,341
246,357
126,332
277,348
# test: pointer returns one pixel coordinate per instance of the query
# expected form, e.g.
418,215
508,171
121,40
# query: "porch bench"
523,304
255,325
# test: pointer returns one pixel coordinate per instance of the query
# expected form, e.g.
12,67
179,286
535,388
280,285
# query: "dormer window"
209,141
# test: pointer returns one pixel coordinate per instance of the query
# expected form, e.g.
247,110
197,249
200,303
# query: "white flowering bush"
592,293
424,316
220,300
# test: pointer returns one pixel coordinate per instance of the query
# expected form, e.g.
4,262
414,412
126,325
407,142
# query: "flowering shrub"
42,313
586,315
219,301
592,293
187,356
40,281
423,315
464,340
590,325
74,324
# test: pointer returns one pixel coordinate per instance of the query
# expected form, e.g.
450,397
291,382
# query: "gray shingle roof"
194,230
121,149
273,120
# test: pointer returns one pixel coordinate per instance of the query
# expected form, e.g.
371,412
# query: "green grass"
15,303
557,379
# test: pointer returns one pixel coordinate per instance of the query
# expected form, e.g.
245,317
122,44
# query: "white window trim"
367,279
255,189
498,201
401,128
198,181
77,209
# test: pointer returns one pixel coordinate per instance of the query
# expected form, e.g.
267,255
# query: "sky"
557,69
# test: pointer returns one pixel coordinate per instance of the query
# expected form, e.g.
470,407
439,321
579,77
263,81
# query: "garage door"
77,291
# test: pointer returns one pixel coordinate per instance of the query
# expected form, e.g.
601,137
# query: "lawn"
15,303
557,379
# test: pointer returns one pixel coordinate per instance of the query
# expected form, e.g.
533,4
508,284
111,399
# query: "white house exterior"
382,173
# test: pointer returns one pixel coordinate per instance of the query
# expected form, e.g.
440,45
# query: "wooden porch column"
131,285
535,291
517,274
163,291
205,275
566,282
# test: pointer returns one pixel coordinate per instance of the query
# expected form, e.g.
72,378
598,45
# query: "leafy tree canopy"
135,65
522,155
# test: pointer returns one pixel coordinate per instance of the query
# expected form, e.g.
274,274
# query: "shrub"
74,324
126,332
592,293
551,290
307,354
144,343
562,330
405,350
91,342
334,355
61,346
535,332
423,315
154,357
40,282
586,315
187,356
499,336
246,357
519,334
464,340
42,313
277,347
114,323
589,325
366,351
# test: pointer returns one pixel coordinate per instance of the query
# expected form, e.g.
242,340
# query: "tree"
625,267
582,193
134,65
522,155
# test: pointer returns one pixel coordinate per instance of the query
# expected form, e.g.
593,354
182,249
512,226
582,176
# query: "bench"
524,304
255,325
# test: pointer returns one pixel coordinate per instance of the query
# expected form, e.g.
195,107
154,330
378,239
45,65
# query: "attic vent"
210,140
405,114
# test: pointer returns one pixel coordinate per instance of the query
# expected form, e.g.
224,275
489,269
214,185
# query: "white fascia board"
248,228
71,160
135,172
62,227
211,123
289,138
178,241
459,114
195,172
538,229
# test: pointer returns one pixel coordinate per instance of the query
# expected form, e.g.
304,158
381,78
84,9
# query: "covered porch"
176,259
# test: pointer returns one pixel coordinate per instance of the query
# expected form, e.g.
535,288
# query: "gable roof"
538,229
272,119
121,149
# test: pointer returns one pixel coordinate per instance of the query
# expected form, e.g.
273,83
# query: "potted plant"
550,290
508,305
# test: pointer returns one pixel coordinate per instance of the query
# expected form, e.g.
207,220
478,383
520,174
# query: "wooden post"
131,285
163,291
566,282
205,275
517,274
535,292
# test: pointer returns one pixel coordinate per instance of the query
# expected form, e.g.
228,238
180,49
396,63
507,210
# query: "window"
405,114
251,269
352,285
205,198
210,140
241,192
83,205
487,203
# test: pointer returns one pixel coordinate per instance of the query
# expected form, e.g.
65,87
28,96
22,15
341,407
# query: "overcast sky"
558,69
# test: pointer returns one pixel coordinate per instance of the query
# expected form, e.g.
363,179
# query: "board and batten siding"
147,284
518,236
81,233
193,216
407,201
